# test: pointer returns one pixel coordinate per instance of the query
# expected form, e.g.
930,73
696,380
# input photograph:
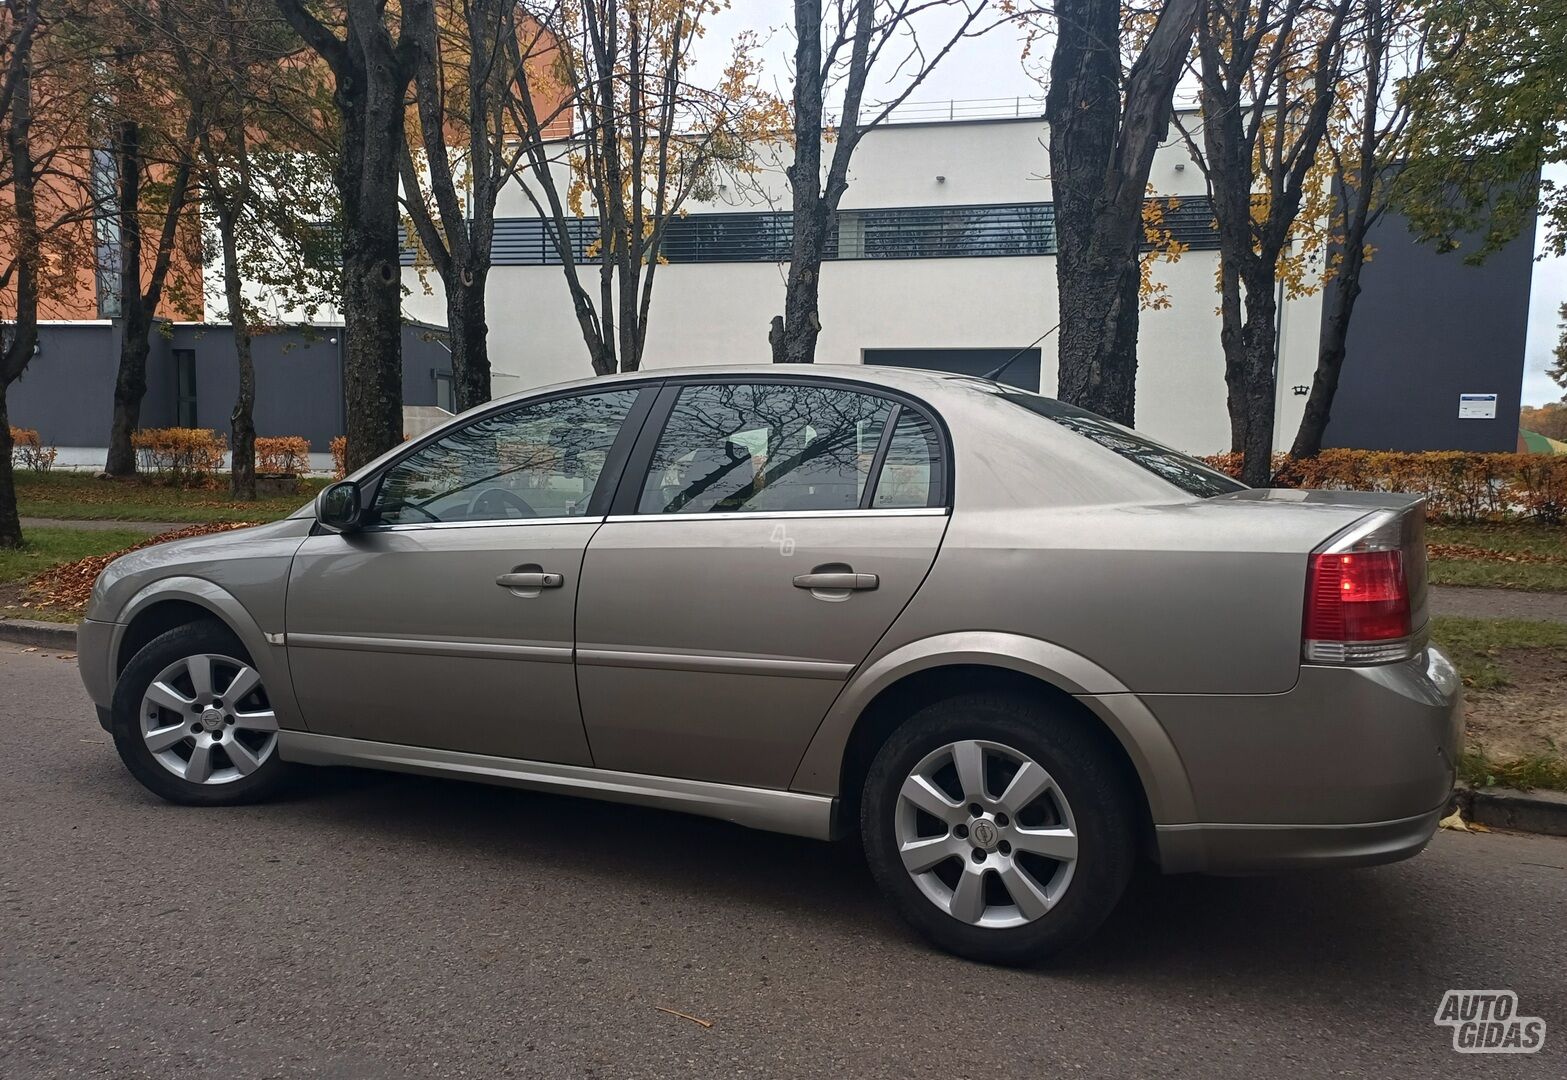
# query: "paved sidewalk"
149,527
1498,603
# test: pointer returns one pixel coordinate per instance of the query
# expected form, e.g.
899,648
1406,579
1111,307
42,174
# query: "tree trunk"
16,345
1083,111
795,341
802,323
372,285
10,523
1253,387
1330,357
1101,153
469,333
130,384
242,425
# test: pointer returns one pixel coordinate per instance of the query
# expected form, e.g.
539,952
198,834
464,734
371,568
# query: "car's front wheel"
999,827
192,721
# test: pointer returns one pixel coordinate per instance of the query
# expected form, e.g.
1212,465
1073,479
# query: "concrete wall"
718,313
67,393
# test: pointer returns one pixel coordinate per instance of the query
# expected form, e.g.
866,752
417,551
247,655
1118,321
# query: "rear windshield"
1186,473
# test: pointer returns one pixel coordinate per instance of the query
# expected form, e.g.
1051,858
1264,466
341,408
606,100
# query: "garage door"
1022,372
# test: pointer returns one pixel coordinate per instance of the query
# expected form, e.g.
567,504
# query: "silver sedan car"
1009,644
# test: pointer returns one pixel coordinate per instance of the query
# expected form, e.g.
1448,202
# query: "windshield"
1186,473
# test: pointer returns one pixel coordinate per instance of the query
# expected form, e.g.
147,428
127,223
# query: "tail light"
1360,604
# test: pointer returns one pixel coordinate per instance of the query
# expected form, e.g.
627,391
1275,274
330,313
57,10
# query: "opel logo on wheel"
212,719
983,833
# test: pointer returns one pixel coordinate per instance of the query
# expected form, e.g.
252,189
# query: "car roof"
912,380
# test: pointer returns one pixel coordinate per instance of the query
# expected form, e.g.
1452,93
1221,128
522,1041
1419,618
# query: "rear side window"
911,476
1186,473
760,447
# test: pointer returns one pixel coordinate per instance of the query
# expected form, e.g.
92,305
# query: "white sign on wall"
1477,406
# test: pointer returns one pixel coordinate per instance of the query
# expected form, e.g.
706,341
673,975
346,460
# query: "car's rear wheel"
192,721
1001,829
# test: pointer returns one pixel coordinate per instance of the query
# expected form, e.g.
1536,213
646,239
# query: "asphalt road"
382,926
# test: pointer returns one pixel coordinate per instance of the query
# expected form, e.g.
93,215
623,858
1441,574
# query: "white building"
944,247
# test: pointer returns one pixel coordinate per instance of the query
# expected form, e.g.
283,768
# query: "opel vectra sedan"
1011,644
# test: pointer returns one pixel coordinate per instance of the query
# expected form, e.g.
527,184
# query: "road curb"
44,635
1522,811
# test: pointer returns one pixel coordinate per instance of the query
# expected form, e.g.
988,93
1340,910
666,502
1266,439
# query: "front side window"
537,460
760,447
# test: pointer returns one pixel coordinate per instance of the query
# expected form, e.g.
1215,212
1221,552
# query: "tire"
240,761
1063,900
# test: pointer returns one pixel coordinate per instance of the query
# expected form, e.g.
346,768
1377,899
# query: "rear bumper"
1252,849
1352,767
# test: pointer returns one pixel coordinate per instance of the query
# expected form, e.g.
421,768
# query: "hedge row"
28,450
191,455
1458,486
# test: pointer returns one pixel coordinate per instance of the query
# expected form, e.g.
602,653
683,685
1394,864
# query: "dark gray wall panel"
1427,328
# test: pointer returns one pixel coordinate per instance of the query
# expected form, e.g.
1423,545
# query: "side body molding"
1152,753
271,659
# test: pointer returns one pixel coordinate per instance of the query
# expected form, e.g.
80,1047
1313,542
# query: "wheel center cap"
212,719
984,833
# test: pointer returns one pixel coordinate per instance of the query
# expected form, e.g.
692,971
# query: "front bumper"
1352,767
95,662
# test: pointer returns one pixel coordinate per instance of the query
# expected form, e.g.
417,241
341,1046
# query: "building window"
444,398
904,232
185,388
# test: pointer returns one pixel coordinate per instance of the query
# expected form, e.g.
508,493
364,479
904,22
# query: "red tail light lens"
1358,596
1357,607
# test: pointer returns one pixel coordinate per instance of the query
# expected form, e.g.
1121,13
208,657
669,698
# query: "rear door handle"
533,580
836,580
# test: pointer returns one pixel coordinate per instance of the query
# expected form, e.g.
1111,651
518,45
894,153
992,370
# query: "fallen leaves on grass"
1476,553
67,586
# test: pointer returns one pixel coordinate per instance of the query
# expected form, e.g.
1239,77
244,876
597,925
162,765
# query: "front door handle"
836,580
530,580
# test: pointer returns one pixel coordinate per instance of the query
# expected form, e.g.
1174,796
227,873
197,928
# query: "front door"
448,621
770,535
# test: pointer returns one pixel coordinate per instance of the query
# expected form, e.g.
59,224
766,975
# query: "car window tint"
911,474
1186,473
758,447
537,460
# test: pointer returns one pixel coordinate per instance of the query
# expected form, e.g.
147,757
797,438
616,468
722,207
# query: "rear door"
765,535
448,622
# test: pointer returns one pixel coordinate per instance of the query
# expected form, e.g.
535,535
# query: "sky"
991,66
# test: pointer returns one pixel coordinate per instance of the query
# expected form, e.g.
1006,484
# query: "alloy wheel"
986,834
207,720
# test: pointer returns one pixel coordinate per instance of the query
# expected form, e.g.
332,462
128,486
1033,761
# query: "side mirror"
340,507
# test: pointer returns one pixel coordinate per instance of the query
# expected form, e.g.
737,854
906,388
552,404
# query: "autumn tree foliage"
1490,111
1269,72
462,150
1108,107
46,206
151,133
839,44
260,143
647,139
1363,155
366,45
